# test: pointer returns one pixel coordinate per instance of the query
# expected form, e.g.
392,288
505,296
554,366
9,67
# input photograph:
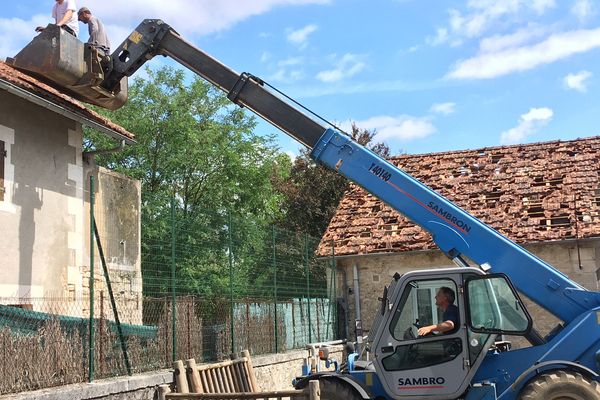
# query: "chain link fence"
204,287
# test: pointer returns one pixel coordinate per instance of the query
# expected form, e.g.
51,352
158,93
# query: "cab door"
433,365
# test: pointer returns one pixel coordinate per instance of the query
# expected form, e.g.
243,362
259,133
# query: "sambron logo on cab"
421,381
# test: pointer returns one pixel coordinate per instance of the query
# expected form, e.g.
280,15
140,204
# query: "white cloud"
290,61
300,36
288,70
577,81
287,76
349,65
520,37
265,56
443,108
404,127
540,6
199,17
529,123
483,15
497,63
440,37
15,33
582,9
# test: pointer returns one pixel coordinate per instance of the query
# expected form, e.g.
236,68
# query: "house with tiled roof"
543,196
44,198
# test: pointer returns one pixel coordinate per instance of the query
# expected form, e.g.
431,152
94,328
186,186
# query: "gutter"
24,94
89,155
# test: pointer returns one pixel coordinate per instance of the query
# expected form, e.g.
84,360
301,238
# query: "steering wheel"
432,333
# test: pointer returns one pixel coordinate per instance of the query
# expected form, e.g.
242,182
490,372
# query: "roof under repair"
529,193
38,92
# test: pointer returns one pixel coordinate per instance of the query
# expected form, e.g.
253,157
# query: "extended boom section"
455,231
154,37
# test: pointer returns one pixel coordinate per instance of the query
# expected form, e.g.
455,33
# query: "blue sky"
428,75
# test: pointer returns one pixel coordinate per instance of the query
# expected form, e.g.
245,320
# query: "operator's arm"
442,327
450,321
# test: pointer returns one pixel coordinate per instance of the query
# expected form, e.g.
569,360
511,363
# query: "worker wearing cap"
98,37
63,13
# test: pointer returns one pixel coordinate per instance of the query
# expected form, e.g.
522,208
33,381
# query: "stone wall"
578,260
276,371
117,215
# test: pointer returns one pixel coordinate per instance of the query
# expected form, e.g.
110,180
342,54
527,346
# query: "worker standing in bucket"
63,13
98,37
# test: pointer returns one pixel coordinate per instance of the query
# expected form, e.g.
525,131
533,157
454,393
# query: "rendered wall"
44,218
41,215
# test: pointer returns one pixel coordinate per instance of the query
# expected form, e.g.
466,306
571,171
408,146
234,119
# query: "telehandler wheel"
561,385
332,389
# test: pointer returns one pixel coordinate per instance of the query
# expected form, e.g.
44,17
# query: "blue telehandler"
471,361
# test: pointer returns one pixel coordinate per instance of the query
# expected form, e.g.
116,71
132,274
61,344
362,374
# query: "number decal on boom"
380,172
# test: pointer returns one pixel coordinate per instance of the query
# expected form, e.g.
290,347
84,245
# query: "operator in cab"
444,300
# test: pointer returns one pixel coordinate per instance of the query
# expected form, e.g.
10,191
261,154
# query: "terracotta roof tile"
529,192
30,84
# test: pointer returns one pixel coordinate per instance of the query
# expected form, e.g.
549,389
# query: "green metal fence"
204,286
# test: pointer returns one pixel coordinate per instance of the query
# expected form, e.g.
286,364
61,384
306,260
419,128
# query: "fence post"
230,251
275,286
91,327
308,289
173,277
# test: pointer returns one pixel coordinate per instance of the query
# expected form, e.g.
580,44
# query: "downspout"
346,302
88,156
358,319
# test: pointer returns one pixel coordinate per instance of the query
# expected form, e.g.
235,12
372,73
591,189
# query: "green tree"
312,192
192,143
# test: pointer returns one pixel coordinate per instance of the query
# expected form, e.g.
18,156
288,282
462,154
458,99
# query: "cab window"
418,308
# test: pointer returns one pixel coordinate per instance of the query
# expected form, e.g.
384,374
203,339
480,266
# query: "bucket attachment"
60,60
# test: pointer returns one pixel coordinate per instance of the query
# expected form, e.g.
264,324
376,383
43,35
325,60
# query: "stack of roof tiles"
529,193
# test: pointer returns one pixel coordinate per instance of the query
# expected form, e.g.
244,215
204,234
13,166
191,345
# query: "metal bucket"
60,60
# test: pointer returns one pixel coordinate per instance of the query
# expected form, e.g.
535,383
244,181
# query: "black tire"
332,389
561,385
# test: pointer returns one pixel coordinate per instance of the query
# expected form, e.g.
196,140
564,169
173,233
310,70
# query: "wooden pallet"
233,379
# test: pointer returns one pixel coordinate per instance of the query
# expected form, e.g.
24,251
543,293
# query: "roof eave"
591,239
40,101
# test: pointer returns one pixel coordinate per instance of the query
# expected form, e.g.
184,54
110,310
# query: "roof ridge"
492,148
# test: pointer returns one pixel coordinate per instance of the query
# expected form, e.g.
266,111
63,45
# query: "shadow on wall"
29,198
41,156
